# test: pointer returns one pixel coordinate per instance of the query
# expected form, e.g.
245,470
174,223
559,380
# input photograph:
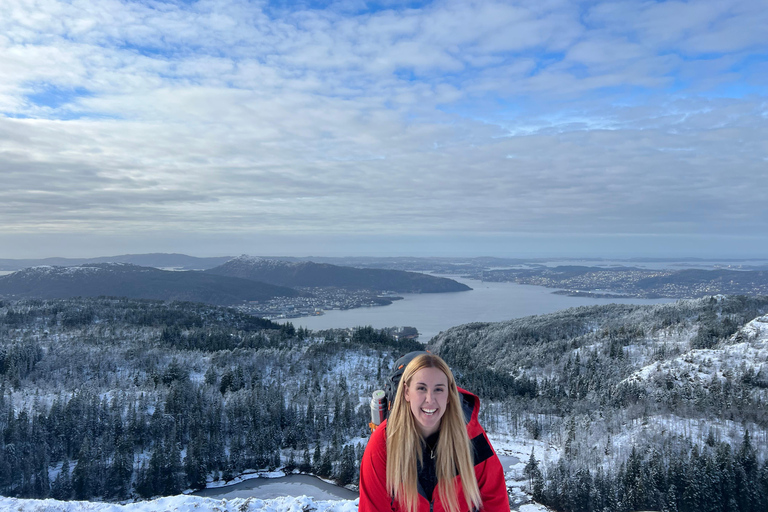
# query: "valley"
115,399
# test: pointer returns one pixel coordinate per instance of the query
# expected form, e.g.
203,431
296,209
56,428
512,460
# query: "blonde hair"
405,443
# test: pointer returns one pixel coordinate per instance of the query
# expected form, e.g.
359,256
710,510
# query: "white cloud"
218,117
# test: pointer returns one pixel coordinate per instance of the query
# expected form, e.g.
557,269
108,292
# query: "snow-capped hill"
744,356
54,270
756,330
183,504
246,261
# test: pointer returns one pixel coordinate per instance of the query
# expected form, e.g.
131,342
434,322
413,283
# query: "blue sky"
552,128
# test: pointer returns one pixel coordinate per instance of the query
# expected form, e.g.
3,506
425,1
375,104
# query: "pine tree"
291,464
62,486
316,456
672,499
81,475
532,471
118,482
692,498
306,464
346,466
746,475
194,467
173,472
634,491
326,463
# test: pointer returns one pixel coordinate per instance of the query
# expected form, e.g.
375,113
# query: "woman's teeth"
429,412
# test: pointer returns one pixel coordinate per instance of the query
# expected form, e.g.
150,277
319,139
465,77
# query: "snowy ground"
513,452
184,504
519,450
198,504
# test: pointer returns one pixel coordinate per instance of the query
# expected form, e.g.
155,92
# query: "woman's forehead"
430,377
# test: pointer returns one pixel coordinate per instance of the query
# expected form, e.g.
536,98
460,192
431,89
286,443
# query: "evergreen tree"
118,484
173,472
346,466
326,463
62,484
306,464
672,499
746,475
634,491
533,473
81,475
316,462
194,467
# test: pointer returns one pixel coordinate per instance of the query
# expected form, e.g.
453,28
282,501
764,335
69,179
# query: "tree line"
711,477
581,378
117,399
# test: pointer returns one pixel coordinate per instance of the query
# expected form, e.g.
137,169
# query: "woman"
431,454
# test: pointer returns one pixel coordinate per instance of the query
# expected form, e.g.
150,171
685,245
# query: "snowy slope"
745,351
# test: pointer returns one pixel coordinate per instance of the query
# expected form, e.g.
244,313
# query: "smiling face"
427,396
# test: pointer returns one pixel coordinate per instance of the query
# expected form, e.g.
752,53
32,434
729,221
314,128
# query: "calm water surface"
431,313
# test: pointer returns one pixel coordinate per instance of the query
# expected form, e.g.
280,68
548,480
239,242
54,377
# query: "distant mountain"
636,282
125,280
309,274
723,281
157,260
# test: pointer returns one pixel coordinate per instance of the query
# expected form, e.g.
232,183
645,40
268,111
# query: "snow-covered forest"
651,407
625,407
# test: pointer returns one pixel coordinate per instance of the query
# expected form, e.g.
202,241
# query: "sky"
389,128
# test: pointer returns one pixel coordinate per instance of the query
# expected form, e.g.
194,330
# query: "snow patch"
184,504
745,350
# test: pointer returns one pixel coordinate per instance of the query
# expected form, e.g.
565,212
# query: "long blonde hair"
405,443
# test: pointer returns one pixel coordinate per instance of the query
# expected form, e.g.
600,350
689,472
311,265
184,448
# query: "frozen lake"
289,485
297,485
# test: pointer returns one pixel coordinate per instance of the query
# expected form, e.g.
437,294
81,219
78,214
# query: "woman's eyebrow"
425,384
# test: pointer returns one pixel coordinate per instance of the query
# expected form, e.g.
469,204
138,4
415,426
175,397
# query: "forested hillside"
309,274
126,280
652,407
639,407
116,398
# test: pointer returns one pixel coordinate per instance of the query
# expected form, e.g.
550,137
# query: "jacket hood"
470,406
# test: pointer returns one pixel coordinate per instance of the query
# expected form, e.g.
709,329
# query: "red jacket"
488,470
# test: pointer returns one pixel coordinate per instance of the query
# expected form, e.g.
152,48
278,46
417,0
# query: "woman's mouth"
429,412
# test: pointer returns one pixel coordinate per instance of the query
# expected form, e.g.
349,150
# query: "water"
508,461
432,313
297,485
289,485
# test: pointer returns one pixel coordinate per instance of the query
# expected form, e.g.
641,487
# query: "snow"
79,269
184,504
198,504
747,349
514,453
243,477
258,261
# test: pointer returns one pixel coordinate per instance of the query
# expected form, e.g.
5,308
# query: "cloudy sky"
513,128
